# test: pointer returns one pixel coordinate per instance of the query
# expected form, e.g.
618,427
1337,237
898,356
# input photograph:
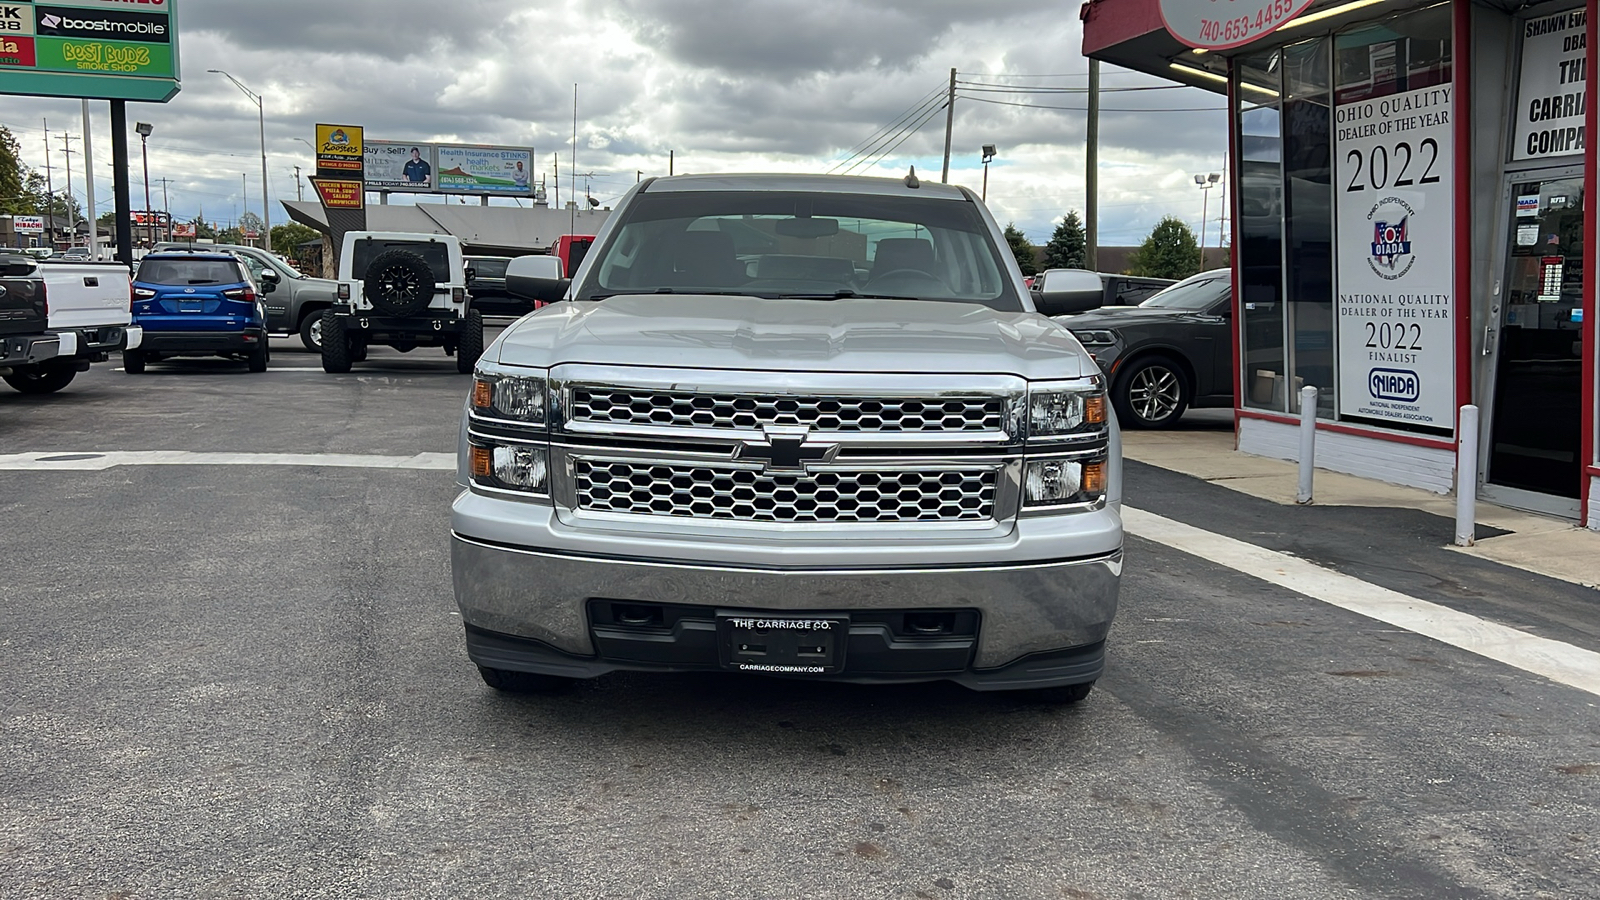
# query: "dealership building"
1411,225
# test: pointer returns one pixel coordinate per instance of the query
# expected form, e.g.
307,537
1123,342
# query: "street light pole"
261,116
989,153
1206,183
144,129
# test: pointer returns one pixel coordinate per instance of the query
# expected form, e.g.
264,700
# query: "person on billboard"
520,176
417,169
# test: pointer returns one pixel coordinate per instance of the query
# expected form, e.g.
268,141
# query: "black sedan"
1173,352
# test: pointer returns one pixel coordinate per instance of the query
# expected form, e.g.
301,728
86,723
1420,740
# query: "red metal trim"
1591,242
1592,470
1336,428
1462,111
1233,247
1107,23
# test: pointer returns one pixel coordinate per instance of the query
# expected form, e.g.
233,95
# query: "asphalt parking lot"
249,681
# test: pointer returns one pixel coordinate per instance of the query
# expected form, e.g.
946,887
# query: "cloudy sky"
751,85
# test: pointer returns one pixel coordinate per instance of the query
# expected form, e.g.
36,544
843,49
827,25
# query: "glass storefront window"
1258,90
1308,221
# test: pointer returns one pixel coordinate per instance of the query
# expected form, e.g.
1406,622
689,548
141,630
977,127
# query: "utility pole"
166,207
672,158
88,177
299,189
49,187
72,220
949,126
244,204
1091,179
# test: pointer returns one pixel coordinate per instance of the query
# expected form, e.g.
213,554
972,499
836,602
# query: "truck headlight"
1062,482
1053,412
515,467
518,397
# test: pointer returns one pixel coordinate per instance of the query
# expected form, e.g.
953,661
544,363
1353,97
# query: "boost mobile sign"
1395,182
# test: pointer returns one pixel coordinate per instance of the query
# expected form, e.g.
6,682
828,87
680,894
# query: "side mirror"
268,285
536,278
472,275
1062,292
270,276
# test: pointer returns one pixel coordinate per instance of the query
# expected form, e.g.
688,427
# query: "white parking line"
92,462
1558,661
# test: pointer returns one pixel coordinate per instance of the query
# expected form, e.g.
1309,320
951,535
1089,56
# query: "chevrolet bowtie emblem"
786,449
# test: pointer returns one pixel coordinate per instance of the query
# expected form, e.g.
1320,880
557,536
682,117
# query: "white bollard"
1308,442
1467,477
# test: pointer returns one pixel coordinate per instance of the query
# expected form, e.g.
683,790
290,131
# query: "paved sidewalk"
1204,448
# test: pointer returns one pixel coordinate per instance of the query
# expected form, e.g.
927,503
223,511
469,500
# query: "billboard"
28,224
94,49
399,167
339,151
483,170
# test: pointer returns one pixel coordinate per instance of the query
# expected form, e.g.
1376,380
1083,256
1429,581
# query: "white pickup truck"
89,313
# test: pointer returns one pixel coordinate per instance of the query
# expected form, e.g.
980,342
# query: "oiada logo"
1390,252
1401,385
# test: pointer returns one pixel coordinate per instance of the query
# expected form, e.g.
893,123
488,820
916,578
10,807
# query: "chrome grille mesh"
717,492
751,412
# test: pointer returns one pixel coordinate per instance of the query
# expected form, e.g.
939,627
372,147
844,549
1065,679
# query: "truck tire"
1152,392
45,379
335,345
311,330
399,283
471,345
358,348
523,682
260,355
133,362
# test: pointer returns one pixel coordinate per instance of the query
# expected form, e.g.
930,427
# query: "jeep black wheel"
1152,392
399,283
258,357
335,345
523,682
311,330
133,362
358,348
471,345
45,379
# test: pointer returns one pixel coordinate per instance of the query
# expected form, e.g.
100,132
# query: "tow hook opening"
637,615
927,624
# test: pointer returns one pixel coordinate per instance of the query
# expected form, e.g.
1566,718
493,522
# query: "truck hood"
855,335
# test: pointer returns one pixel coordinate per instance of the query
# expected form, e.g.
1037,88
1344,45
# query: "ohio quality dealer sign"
1394,259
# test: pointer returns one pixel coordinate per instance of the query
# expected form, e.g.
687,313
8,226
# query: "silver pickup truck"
802,426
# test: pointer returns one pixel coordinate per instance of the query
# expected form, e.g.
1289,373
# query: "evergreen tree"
1022,249
1069,246
1170,251
14,197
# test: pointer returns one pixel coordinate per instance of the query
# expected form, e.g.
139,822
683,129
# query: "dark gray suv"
1173,352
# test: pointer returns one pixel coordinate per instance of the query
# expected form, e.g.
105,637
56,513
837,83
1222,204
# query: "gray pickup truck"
799,426
25,342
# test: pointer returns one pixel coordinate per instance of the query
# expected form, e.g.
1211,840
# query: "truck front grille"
747,495
752,412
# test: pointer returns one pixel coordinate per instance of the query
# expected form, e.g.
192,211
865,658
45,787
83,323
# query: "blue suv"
199,304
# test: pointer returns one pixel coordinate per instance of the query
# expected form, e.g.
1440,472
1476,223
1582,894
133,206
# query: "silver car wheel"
1155,393
316,332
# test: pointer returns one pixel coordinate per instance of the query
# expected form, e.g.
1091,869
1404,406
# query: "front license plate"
784,644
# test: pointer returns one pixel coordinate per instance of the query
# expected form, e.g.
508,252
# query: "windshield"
434,252
488,268
814,245
1195,294
189,271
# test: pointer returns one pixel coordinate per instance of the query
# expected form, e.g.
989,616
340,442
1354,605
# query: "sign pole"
119,181
88,177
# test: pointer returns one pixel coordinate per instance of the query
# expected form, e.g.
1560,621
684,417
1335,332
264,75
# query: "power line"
933,101
932,113
986,87
1150,109
909,112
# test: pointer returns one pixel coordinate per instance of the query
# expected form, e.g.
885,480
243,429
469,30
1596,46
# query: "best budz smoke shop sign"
1394,258
1551,101
107,49
1220,24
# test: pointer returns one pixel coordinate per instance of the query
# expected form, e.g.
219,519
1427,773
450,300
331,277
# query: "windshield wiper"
842,294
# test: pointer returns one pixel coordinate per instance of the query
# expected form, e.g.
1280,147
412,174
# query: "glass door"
1533,450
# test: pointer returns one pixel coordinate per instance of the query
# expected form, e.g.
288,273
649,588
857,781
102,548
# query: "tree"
1021,249
14,197
1069,246
202,229
1170,251
249,221
285,238
230,236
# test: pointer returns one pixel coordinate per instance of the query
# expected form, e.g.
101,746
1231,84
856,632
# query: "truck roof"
833,184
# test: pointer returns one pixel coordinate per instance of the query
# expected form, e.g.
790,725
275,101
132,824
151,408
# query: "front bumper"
22,350
530,607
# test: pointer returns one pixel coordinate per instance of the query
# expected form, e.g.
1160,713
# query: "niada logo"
1402,385
1390,252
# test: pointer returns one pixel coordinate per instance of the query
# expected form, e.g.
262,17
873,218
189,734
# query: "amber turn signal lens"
482,395
1094,409
1094,478
482,462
